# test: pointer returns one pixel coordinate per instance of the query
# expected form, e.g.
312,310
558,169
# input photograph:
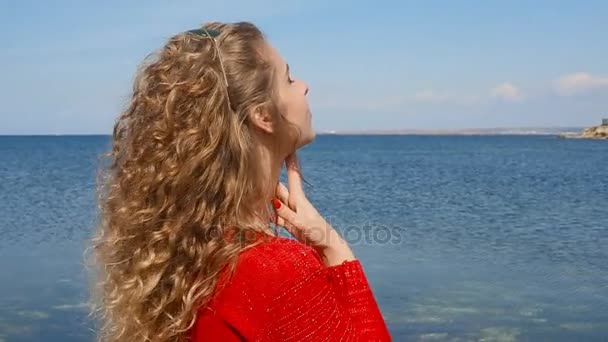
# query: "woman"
186,248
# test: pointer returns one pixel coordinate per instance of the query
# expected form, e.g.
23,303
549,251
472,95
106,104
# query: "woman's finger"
283,211
281,223
282,193
287,217
293,176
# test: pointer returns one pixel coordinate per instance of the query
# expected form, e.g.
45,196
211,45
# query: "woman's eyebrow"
287,71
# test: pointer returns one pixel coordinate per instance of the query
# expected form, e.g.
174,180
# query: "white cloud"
579,82
507,92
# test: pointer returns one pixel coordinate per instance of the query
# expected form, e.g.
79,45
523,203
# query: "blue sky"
67,66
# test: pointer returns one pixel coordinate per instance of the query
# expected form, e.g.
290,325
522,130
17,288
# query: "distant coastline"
463,131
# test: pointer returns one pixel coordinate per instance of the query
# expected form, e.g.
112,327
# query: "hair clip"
205,33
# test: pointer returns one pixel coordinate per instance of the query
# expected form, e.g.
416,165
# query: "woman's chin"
307,139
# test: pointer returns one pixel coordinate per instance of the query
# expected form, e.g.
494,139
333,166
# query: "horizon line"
506,130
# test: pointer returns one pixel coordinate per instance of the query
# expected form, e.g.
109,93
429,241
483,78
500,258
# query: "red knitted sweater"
282,291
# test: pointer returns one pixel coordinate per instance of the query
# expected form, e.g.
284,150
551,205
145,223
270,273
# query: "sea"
462,238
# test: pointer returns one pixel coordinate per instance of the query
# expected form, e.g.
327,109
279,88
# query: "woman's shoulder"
269,266
262,272
280,257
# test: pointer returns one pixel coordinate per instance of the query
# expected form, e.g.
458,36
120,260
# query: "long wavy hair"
183,166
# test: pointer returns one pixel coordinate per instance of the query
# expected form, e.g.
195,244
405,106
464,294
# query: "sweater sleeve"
282,291
325,304
353,290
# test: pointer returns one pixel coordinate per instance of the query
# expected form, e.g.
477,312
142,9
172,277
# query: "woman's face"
293,104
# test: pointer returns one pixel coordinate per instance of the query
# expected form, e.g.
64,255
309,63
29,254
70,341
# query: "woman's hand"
296,213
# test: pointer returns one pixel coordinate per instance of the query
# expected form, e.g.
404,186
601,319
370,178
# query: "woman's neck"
271,165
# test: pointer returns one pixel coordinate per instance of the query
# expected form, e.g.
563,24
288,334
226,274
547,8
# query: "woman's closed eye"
289,79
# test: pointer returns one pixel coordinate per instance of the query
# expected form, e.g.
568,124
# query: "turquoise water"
493,238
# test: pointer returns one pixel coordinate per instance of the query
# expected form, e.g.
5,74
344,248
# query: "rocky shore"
596,132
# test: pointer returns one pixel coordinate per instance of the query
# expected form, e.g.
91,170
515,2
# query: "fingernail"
276,203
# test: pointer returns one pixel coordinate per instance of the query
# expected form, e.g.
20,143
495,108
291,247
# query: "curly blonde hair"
183,166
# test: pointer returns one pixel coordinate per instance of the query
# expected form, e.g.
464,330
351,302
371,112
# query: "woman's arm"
332,303
352,288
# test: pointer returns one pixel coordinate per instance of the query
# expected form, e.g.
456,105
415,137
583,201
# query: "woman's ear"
261,118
